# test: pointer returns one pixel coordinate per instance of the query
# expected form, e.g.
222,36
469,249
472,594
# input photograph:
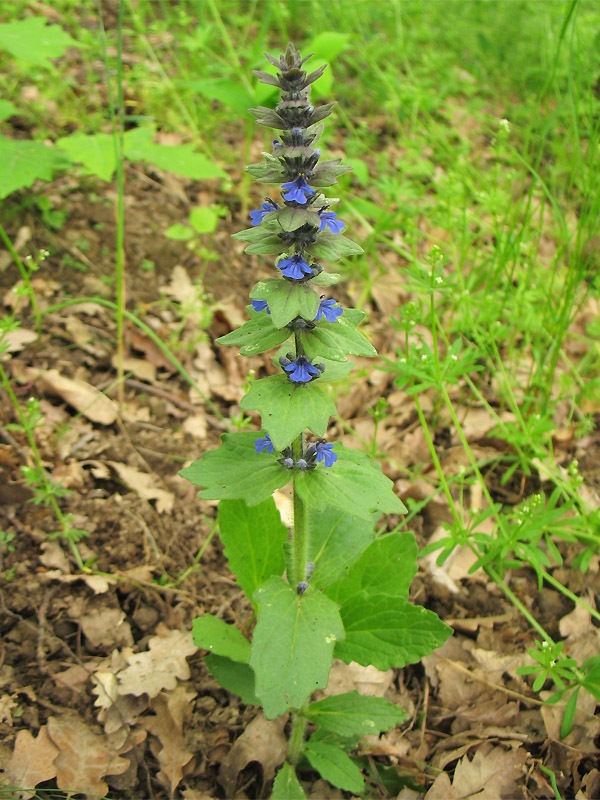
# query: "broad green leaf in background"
214,634
32,41
179,158
22,162
286,785
354,484
204,219
387,566
237,471
95,151
234,676
292,646
352,715
179,233
287,408
253,537
257,335
230,93
336,540
286,300
333,764
7,110
388,631
326,46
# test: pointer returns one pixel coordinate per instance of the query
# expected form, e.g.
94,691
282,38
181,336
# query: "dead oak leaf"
84,757
144,485
160,666
32,761
493,774
167,726
84,397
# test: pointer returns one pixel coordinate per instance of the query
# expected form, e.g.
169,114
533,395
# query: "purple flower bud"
259,214
288,463
302,587
301,464
260,305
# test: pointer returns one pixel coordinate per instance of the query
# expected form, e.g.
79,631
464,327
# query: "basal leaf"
286,785
253,537
333,764
352,715
354,484
286,299
388,631
32,41
22,162
214,634
387,566
287,408
237,471
234,676
292,646
256,336
95,151
336,541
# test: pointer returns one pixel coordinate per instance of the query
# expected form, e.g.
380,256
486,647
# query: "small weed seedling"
332,588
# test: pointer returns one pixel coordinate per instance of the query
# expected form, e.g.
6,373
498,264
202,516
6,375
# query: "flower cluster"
316,453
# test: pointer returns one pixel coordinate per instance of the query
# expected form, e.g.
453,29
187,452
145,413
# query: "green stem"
297,738
25,276
300,537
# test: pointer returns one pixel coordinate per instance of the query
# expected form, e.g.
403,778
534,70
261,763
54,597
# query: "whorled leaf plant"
329,587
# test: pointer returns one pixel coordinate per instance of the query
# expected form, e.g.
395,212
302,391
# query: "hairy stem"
300,535
297,738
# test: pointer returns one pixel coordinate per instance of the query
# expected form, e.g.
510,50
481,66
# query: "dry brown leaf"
368,681
167,725
263,741
140,367
160,666
144,485
493,774
32,761
85,757
84,397
106,627
18,339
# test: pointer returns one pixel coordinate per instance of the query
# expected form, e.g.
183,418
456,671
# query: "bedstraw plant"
330,587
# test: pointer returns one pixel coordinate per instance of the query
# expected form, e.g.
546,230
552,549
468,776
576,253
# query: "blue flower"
325,454
297,190
301,370
259,214
329,219
294,267
264,444
326,309
260,305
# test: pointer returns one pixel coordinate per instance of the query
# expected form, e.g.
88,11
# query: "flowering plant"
330,587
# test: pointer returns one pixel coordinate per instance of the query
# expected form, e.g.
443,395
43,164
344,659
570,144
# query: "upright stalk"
300,541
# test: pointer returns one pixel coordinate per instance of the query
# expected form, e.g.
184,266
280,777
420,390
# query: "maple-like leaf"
32,761
160,666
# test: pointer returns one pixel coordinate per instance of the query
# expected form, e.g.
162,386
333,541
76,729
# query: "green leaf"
253,538
387,566
22,162
286,785
327,172
95,151
237,471
286,299
329,44
180,159
204,219
230,93
354,484
7,110
257,335
326,278
271,170
32,41
352,715
333,246
293,217
287,408
179,233
222,639
337,339
336,541
292,645
333,764
237,678
388,631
